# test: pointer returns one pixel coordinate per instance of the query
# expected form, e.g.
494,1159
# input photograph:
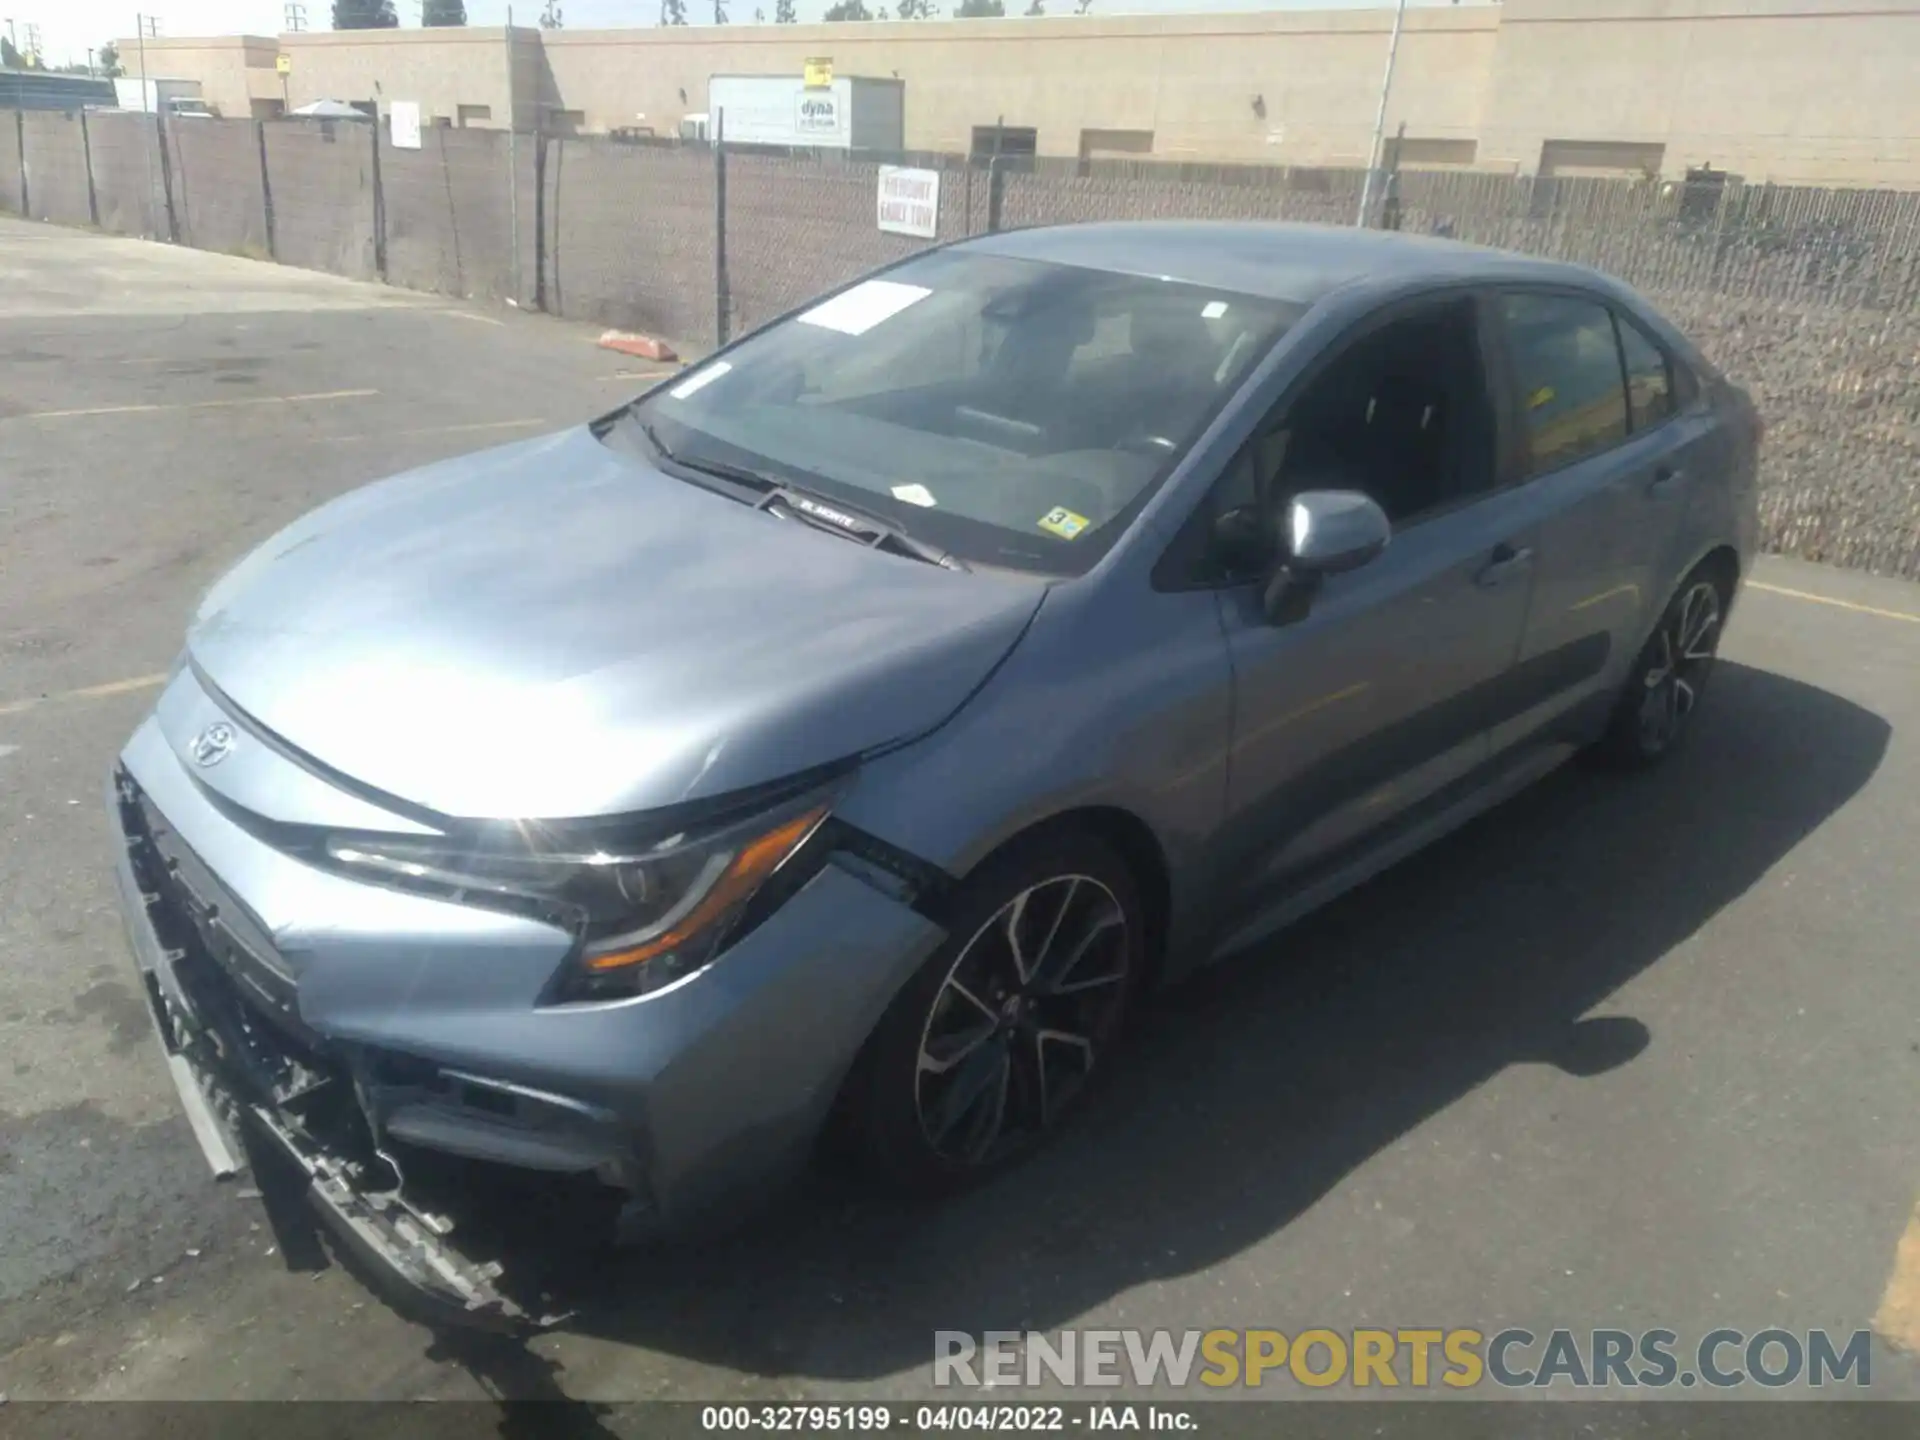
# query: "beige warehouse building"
1807,91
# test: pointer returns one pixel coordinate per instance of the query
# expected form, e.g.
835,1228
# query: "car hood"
554,629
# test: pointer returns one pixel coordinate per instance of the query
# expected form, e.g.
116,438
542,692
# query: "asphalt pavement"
1628,1052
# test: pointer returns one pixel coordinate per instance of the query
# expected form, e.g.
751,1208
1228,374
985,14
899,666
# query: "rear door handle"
1665,480
1507,562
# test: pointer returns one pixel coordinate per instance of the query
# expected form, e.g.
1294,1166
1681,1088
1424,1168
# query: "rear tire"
999,1035
1663,691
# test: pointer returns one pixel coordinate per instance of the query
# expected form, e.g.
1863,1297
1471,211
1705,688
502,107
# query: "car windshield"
1009,411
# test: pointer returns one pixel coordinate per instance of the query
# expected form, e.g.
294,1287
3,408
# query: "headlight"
644,916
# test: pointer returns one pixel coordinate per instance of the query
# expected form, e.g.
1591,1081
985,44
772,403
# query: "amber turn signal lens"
757,859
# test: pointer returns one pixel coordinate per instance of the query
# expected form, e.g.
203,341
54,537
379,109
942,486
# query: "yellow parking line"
1898,1319
475,428
195,405
638,375
1836,603
477,319
86,692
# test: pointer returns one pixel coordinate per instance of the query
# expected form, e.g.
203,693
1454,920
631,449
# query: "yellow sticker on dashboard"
1063,522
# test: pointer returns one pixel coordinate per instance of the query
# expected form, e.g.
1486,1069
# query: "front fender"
1102,704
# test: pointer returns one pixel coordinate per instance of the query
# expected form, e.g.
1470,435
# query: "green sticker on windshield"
1063,522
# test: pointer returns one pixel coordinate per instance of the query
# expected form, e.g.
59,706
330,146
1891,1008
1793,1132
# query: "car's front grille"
240,985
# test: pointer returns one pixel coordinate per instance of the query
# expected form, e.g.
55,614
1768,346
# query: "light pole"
1380,118
142,24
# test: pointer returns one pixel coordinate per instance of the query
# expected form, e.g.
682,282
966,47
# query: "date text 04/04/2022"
963,1416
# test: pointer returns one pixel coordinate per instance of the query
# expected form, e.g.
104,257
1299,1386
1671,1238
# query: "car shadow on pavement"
1251,1091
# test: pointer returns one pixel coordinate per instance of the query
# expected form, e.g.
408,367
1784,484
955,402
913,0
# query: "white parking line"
190,405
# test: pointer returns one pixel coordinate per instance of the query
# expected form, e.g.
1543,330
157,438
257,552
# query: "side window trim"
1179,562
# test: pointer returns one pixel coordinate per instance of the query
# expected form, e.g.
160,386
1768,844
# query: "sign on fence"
816,72
404,117
909,201
283,63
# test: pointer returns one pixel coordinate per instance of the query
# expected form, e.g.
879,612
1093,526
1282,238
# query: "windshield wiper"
855,525
777,497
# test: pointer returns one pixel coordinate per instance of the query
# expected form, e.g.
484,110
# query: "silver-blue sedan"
851,731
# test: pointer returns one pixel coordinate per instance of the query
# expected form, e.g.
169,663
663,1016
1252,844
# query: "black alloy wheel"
999,1035
1663,691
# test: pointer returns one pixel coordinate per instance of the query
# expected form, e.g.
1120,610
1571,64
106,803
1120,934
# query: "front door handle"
1507,562
1665,480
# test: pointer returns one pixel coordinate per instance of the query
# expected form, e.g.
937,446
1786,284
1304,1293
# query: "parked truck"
175,97
852,113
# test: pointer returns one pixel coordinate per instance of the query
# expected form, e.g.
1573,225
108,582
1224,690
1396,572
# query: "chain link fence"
449,213
219,187
321,177
128,188
53,154
1808,296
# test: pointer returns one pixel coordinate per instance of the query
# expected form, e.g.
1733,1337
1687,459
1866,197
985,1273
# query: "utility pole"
89,62
513,163
295,17
143,26
1380,119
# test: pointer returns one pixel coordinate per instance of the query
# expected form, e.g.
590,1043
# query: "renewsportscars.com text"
1458,1359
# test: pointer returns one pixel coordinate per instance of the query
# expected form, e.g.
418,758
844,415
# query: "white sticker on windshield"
700,379
1213,309
856,311
915,494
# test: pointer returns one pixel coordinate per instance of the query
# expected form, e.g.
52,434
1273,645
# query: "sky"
68,27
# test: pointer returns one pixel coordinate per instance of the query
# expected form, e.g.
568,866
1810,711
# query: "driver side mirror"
1320,533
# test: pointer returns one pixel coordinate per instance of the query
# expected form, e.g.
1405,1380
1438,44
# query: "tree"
1038,7
1081,7
673,12
848,10
981,9
106,60
719,12
784,12
443,12
759,16
915,9
551,17
10,56
365,15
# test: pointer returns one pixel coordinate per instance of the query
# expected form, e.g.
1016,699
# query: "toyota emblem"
212,745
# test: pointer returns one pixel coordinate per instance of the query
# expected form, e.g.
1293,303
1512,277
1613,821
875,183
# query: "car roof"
1298,263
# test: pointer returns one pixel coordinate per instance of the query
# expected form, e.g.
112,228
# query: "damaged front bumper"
244,1086
400,1054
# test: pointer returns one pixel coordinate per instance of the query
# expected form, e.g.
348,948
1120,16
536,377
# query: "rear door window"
1572,399
1650,387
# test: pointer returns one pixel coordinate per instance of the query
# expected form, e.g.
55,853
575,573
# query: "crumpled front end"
252,1075
406,1055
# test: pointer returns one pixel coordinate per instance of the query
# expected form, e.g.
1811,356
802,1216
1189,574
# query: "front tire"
998,1036
1663,691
